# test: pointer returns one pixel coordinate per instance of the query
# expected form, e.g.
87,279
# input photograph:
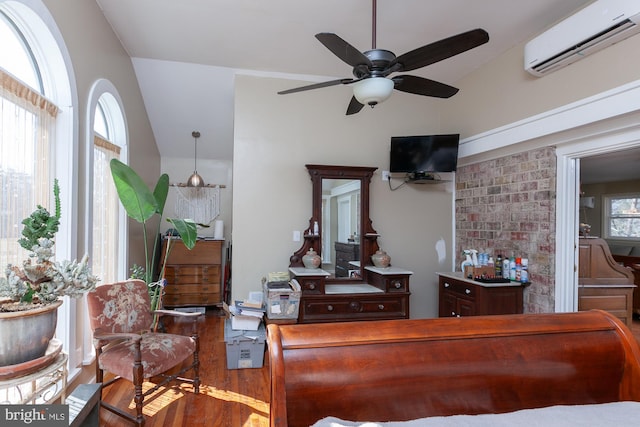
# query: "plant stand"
42,386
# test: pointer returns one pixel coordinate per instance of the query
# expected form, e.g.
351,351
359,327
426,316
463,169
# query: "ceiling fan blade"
422,86
343,50
316,86
354,106
437,51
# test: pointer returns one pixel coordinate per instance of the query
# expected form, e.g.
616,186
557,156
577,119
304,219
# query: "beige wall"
275,136
96,53
502,92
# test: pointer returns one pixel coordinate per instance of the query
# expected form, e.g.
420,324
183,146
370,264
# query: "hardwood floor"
228,397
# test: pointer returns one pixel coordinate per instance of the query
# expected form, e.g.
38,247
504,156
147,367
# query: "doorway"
615,138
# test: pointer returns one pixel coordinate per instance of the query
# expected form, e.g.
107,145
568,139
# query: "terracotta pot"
311,259
25,335
381,259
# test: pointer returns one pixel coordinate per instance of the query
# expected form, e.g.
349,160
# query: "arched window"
27,135
109,139
38,104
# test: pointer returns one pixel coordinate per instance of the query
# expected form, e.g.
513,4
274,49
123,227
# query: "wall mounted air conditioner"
596,26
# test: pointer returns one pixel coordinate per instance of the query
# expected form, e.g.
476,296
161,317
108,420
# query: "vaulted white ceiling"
186,52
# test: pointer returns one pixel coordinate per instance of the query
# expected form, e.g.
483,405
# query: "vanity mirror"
340,205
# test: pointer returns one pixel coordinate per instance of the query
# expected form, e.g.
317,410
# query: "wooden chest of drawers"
194,277
384,297
464,297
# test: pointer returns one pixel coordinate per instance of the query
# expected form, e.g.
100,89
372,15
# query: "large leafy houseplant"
142,205
41,280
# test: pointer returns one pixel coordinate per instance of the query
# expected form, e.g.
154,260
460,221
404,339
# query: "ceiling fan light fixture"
373,90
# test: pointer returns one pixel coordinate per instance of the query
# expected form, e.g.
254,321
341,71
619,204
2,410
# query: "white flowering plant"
42,280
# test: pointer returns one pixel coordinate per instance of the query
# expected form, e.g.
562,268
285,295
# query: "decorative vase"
25,335
381,259
311,259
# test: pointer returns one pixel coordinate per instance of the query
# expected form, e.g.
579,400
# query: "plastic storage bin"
245,349
282,303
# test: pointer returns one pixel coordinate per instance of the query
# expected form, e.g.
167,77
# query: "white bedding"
598,415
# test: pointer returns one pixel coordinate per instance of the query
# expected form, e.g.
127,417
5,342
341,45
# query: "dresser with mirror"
346,286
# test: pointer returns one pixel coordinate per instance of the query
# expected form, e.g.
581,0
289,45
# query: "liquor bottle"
499,265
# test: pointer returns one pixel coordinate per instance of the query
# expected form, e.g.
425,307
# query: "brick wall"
506,206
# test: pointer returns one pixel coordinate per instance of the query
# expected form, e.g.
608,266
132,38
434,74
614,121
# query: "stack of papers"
246,315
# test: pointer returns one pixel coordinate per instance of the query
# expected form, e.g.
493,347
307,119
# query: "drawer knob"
380,306
397,284
446,285
467,291
330,307
312,286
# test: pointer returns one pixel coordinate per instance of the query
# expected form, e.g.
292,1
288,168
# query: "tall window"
105,201
108,252
622,216
27,133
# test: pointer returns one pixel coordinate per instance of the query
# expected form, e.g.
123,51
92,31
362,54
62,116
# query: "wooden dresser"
383,296
194,277
465,297
602,282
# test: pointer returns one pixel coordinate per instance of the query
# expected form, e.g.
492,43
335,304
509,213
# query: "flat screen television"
424,154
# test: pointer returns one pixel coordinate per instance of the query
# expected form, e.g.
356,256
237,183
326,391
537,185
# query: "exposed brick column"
507,205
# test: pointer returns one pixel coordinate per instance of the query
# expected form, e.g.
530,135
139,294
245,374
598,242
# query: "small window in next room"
622,216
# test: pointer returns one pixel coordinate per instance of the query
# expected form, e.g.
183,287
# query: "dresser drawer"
460,288
359,308
311,286
396,284
170,300
192,289
192,274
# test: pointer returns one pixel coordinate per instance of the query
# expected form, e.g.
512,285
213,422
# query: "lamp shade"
195,180
373,90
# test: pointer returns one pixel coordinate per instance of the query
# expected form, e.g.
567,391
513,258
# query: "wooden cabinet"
464,297
603,283
383,295
345,253
194,277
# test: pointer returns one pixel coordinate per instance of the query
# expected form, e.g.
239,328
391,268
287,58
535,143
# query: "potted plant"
142,204
30,294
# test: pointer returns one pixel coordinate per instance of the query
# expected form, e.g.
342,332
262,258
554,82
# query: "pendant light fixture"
195,180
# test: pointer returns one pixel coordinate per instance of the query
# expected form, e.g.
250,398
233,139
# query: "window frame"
113,109
48,47
607,216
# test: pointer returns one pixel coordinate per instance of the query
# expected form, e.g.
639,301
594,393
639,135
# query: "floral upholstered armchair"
126,347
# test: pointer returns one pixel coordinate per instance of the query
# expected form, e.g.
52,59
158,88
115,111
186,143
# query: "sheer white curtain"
105,212
27,129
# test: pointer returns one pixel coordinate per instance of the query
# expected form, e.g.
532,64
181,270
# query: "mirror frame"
368,236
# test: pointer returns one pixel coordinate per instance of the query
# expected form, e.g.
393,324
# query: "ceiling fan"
372,67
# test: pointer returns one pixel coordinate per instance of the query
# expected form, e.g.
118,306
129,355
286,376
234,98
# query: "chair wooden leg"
138,378
196,364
